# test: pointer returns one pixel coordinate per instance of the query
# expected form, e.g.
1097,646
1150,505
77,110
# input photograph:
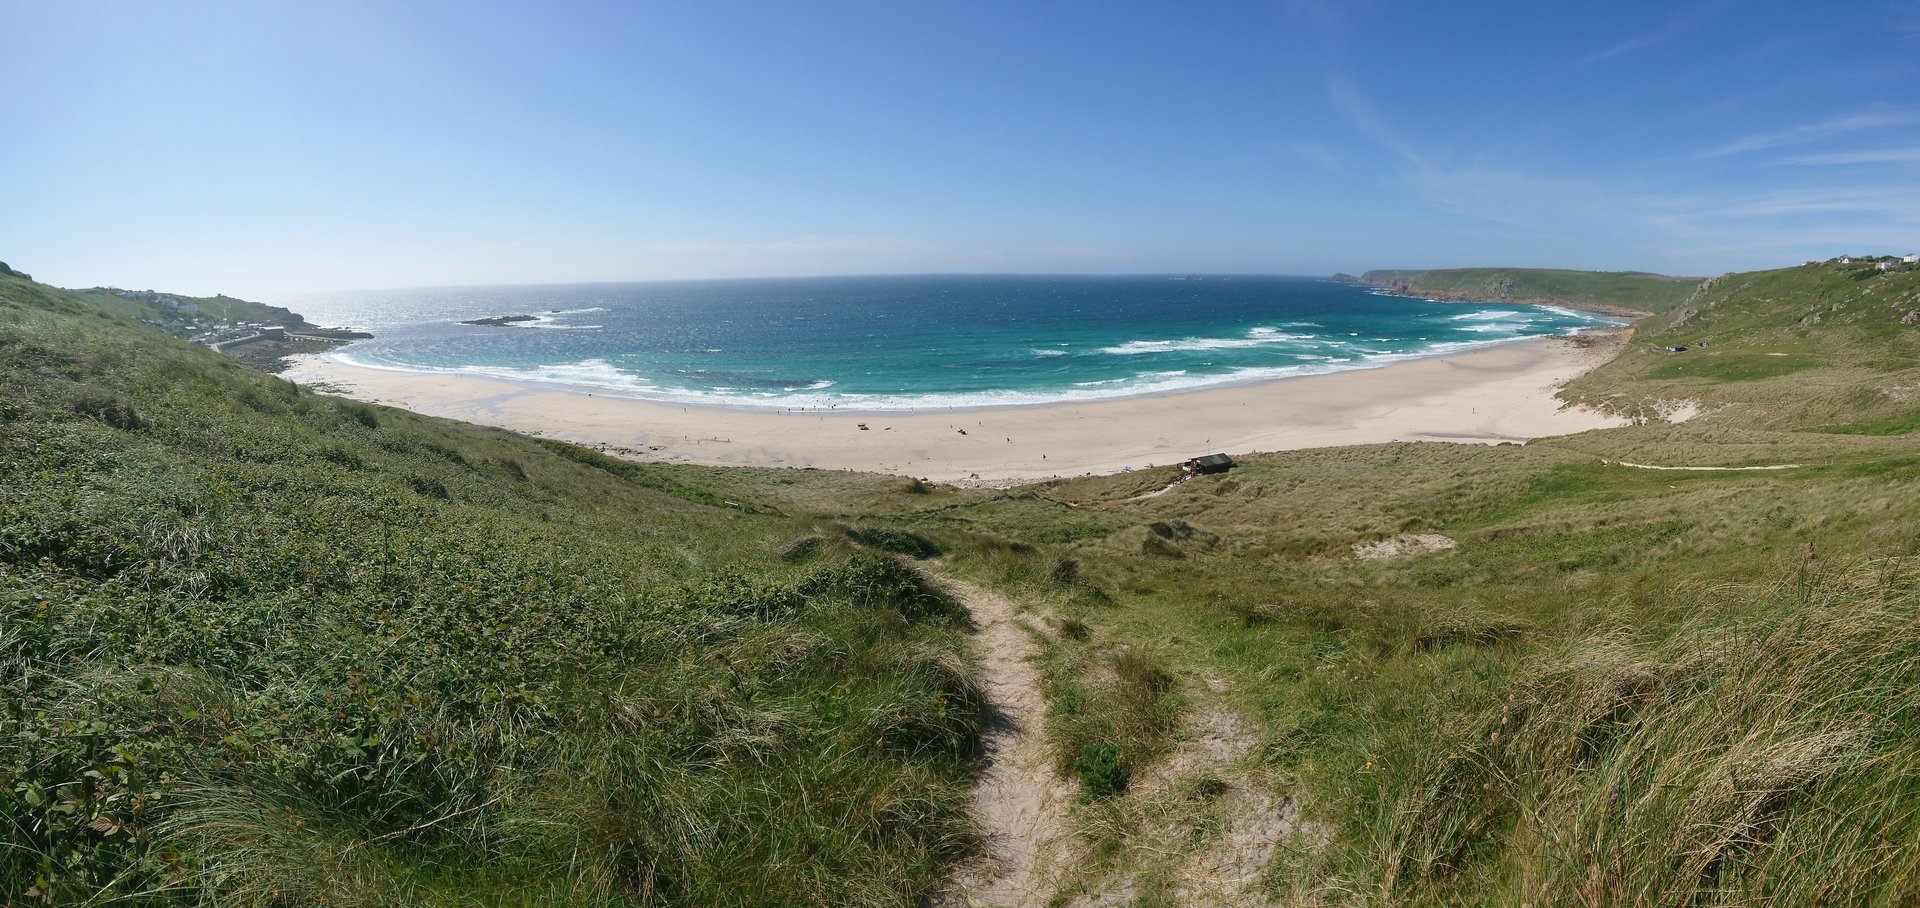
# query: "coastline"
1406,290
1462,296
1488,395
1606,309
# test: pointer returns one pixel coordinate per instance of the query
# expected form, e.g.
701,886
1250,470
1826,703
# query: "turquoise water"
894,343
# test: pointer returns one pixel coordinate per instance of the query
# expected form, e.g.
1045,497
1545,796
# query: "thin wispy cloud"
1903,19
1823,129
1328,15
1070,253
1871,156
1902,205
1353,107
1675,25
1490,194
796,244
1314,154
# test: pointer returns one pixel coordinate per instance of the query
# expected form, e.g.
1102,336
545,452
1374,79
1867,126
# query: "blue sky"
267,149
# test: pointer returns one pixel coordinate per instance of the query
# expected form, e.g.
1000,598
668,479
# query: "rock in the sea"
501,321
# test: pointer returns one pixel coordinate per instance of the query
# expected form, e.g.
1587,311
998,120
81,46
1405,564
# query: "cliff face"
1493,287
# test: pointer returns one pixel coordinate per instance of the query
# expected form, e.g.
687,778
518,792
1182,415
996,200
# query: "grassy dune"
263,647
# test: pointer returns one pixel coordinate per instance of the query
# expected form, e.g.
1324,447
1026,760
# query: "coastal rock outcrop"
501,321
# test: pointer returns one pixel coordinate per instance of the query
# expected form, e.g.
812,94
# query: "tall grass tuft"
1110,712
1763,758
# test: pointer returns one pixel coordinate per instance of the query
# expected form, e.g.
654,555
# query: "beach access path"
1486,395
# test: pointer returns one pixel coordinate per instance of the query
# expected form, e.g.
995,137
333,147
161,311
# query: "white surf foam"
1255,337
1481,315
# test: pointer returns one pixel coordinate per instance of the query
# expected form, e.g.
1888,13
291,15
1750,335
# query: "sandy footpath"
1490,394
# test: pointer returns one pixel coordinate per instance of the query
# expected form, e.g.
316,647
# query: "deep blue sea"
892,343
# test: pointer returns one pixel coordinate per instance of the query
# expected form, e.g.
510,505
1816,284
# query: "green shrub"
801,549
1074,629
1470,626
903,542
108,407
362,414
1103,773
870,580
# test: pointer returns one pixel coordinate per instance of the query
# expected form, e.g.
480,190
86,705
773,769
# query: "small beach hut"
1212,463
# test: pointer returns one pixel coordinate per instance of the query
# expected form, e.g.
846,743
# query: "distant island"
501,321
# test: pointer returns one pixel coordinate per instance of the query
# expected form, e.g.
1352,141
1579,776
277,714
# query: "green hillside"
1633,290
1824,345
263,647
164,309
259,646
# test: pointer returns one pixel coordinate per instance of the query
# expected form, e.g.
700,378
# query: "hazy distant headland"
1629,293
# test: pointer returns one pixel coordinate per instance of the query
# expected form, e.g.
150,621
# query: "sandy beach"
1487,395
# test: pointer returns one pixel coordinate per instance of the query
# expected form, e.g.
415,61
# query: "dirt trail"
1156,493
1221,869
1020,805
1226,871
1643,466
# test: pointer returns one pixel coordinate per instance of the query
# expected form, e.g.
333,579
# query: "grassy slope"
1820,345
263,647
1624,687
145,305
1639,671
1624,289
1635,670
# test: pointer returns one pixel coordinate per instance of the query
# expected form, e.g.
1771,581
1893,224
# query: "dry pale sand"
1487,395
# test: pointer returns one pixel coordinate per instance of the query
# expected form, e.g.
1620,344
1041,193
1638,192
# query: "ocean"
920,342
